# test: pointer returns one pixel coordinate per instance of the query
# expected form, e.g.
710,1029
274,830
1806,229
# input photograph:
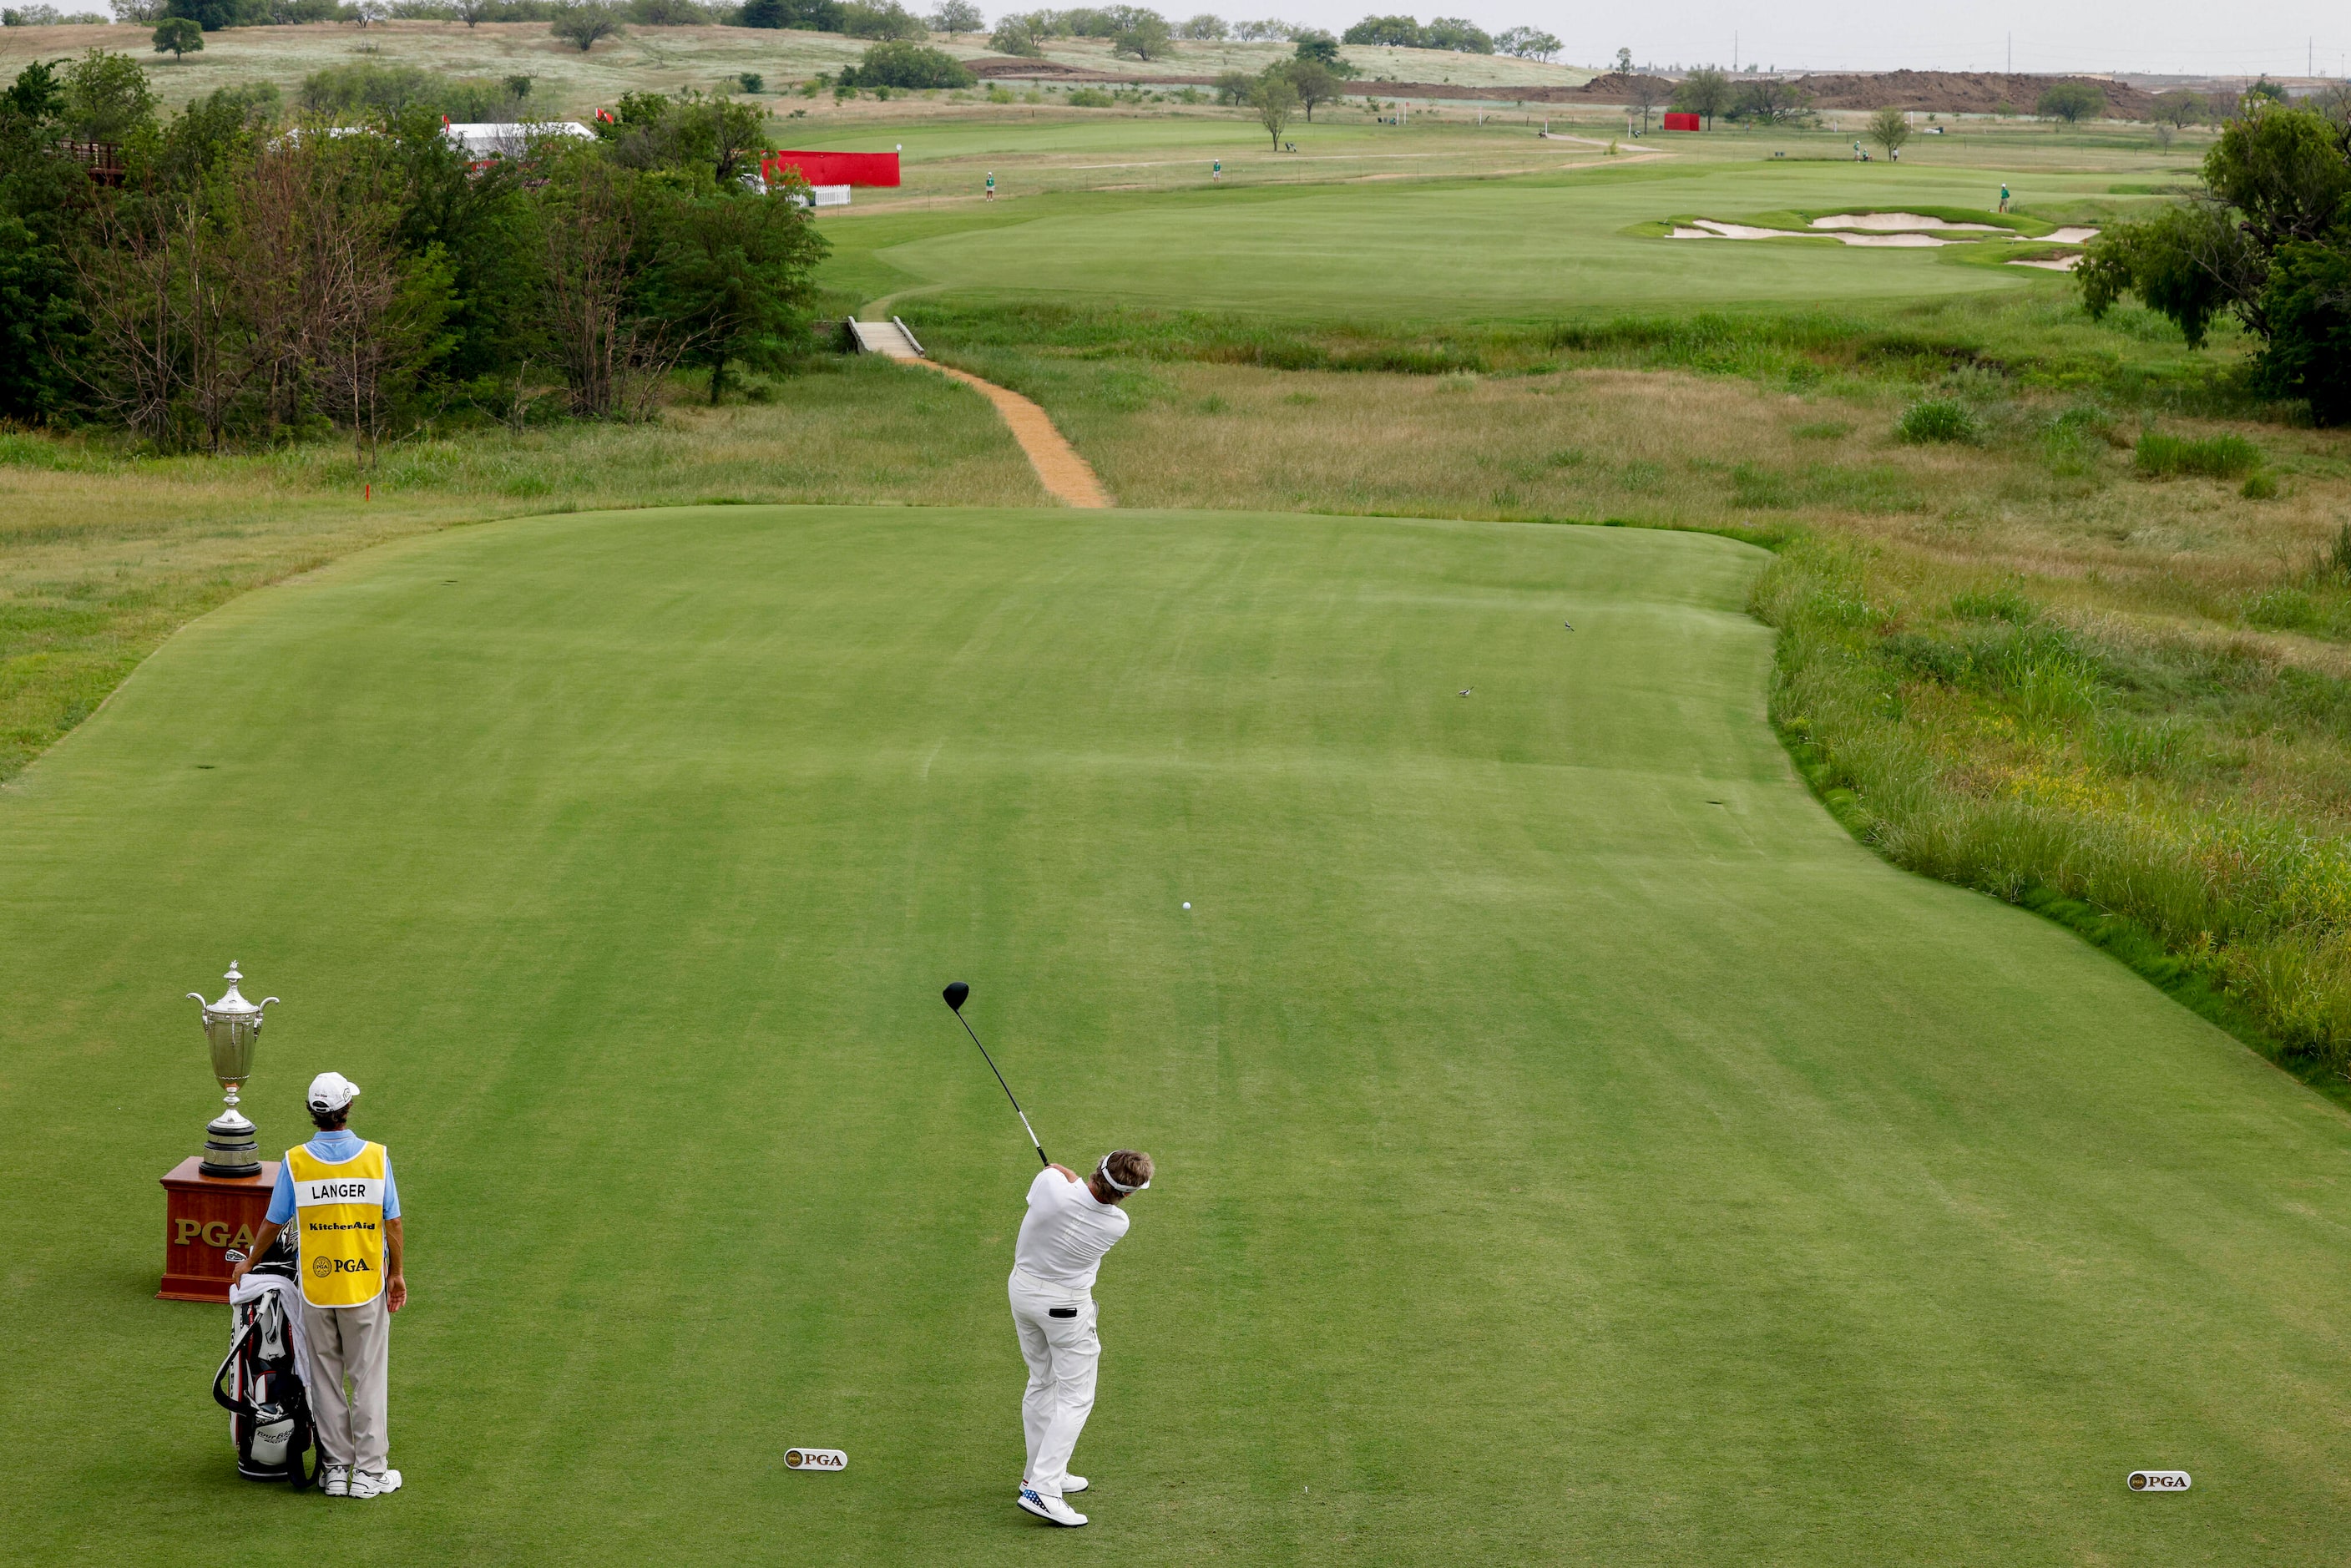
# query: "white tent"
492,139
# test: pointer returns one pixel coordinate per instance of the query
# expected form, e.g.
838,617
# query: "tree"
2070,102
473,13
716,140
1204,28
1012,36
1314,83
2180,110
1704,92
898,63
1276,102
1233,87
1526,43
880,20
1147,37
1456,33
1315,45
2187,264
1771,101
1889,128
212,16
1641,92
1624,62
105,97
958,16
178,37
2268,240
586,24
1389,32
733,273
39,312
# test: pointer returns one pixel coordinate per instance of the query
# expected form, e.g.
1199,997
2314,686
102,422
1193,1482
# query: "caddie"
1070,1225
339,1193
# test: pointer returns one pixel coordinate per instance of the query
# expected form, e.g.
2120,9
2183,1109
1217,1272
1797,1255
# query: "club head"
955,994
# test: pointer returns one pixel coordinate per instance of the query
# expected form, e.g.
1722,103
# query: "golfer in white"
1070,1224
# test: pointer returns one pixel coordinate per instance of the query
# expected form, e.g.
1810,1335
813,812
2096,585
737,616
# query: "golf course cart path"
1067,477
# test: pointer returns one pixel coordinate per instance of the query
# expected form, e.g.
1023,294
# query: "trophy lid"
231,1004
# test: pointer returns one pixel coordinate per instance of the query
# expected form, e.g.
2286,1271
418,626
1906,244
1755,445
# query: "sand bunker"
1707,228
1897,230
1899,222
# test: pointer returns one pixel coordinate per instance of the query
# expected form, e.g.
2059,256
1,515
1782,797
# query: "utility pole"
1734,51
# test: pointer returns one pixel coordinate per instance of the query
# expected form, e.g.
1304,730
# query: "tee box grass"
1573,1147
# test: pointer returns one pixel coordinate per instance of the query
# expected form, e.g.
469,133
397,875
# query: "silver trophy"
232,1025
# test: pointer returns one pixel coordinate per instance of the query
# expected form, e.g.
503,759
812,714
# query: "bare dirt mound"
1964,92
1616,87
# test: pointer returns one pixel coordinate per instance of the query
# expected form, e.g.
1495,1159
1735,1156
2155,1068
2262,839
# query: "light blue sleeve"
391,1189
281,1197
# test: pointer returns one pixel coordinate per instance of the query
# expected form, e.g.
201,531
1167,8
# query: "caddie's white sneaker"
1051,1510
335,1480
366,1485
1069,1484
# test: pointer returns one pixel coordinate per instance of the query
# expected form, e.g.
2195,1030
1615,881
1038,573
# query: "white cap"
331,1092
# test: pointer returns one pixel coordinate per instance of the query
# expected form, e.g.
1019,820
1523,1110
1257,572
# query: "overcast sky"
2160,36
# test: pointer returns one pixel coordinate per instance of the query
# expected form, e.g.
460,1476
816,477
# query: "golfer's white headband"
1115,1182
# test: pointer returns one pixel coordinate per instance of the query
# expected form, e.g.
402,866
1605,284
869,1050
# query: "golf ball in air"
1187,906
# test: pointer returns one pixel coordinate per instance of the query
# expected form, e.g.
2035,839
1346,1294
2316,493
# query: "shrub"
2259,486
2216,458
364,86
898,63
887,19
1091,98
1938,420
1013,36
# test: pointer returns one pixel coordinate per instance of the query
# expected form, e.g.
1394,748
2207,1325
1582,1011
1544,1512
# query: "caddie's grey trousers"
354,1343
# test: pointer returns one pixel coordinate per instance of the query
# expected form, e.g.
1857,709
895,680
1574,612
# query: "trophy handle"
265,1001
197,998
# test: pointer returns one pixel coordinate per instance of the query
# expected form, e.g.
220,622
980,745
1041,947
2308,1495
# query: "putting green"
1539,245
1573,1147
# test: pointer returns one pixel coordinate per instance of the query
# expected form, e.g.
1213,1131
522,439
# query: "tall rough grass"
1987,745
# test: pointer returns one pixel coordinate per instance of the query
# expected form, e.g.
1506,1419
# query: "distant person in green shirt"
1217,170
991,184
2003,195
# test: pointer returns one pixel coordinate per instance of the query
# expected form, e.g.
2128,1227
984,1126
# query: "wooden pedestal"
203,1217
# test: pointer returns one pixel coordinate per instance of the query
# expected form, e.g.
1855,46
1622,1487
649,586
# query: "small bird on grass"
1467,690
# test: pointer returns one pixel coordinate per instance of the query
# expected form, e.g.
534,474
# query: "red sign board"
834,168
1677,122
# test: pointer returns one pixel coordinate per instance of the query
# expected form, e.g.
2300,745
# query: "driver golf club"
953,996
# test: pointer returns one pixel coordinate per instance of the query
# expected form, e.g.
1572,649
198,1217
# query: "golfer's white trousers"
1059,1342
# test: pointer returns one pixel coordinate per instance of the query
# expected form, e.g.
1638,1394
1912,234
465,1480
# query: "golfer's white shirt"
1066,1232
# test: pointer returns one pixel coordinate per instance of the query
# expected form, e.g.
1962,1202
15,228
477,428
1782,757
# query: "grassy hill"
650,59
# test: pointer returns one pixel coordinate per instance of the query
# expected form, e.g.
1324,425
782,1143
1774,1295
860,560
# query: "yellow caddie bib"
339,1213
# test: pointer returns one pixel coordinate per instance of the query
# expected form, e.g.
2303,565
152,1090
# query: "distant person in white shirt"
1070,1224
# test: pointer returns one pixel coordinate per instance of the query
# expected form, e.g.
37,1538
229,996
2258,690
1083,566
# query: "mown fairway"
1573,1148
1541,246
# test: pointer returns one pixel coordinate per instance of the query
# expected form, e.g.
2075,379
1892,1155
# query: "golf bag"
260,1383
